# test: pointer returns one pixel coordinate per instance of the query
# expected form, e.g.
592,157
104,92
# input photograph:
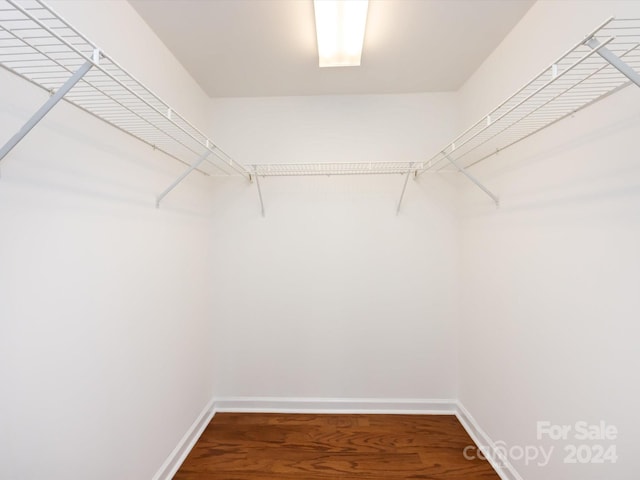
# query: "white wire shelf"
580,77
41,47
350,168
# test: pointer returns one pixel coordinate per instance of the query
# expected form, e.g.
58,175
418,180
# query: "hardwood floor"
322,447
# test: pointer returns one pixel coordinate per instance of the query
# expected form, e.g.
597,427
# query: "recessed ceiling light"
340,26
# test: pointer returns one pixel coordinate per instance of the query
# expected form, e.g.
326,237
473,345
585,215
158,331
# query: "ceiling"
244,48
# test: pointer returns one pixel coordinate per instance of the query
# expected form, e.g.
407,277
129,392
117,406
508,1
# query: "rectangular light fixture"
340,26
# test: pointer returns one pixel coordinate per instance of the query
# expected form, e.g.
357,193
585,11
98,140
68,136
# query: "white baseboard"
175,459
505,470
500,464
336,405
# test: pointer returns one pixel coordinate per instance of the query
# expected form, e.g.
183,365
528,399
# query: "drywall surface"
105,310
332,294
550,280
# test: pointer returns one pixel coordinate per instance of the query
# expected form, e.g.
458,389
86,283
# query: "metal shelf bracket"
46,107
404,188
257,177
614,60
184,175
477,182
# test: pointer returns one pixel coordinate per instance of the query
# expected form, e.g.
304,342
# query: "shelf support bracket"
463,171
184,175
257,177
404,188
614,60
46,108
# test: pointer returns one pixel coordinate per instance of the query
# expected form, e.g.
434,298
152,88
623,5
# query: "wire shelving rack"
607,60
336,168
41,47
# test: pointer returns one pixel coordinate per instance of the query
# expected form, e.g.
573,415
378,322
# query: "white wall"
550,280
105,308
108,307
332,295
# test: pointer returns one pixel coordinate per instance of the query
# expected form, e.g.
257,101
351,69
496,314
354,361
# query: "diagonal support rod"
614,60
473,179
44,109
255,174
404,188
184,175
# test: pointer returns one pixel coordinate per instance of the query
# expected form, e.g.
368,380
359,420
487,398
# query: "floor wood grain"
254,446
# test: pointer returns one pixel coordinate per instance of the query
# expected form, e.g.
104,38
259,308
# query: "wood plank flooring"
322,447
